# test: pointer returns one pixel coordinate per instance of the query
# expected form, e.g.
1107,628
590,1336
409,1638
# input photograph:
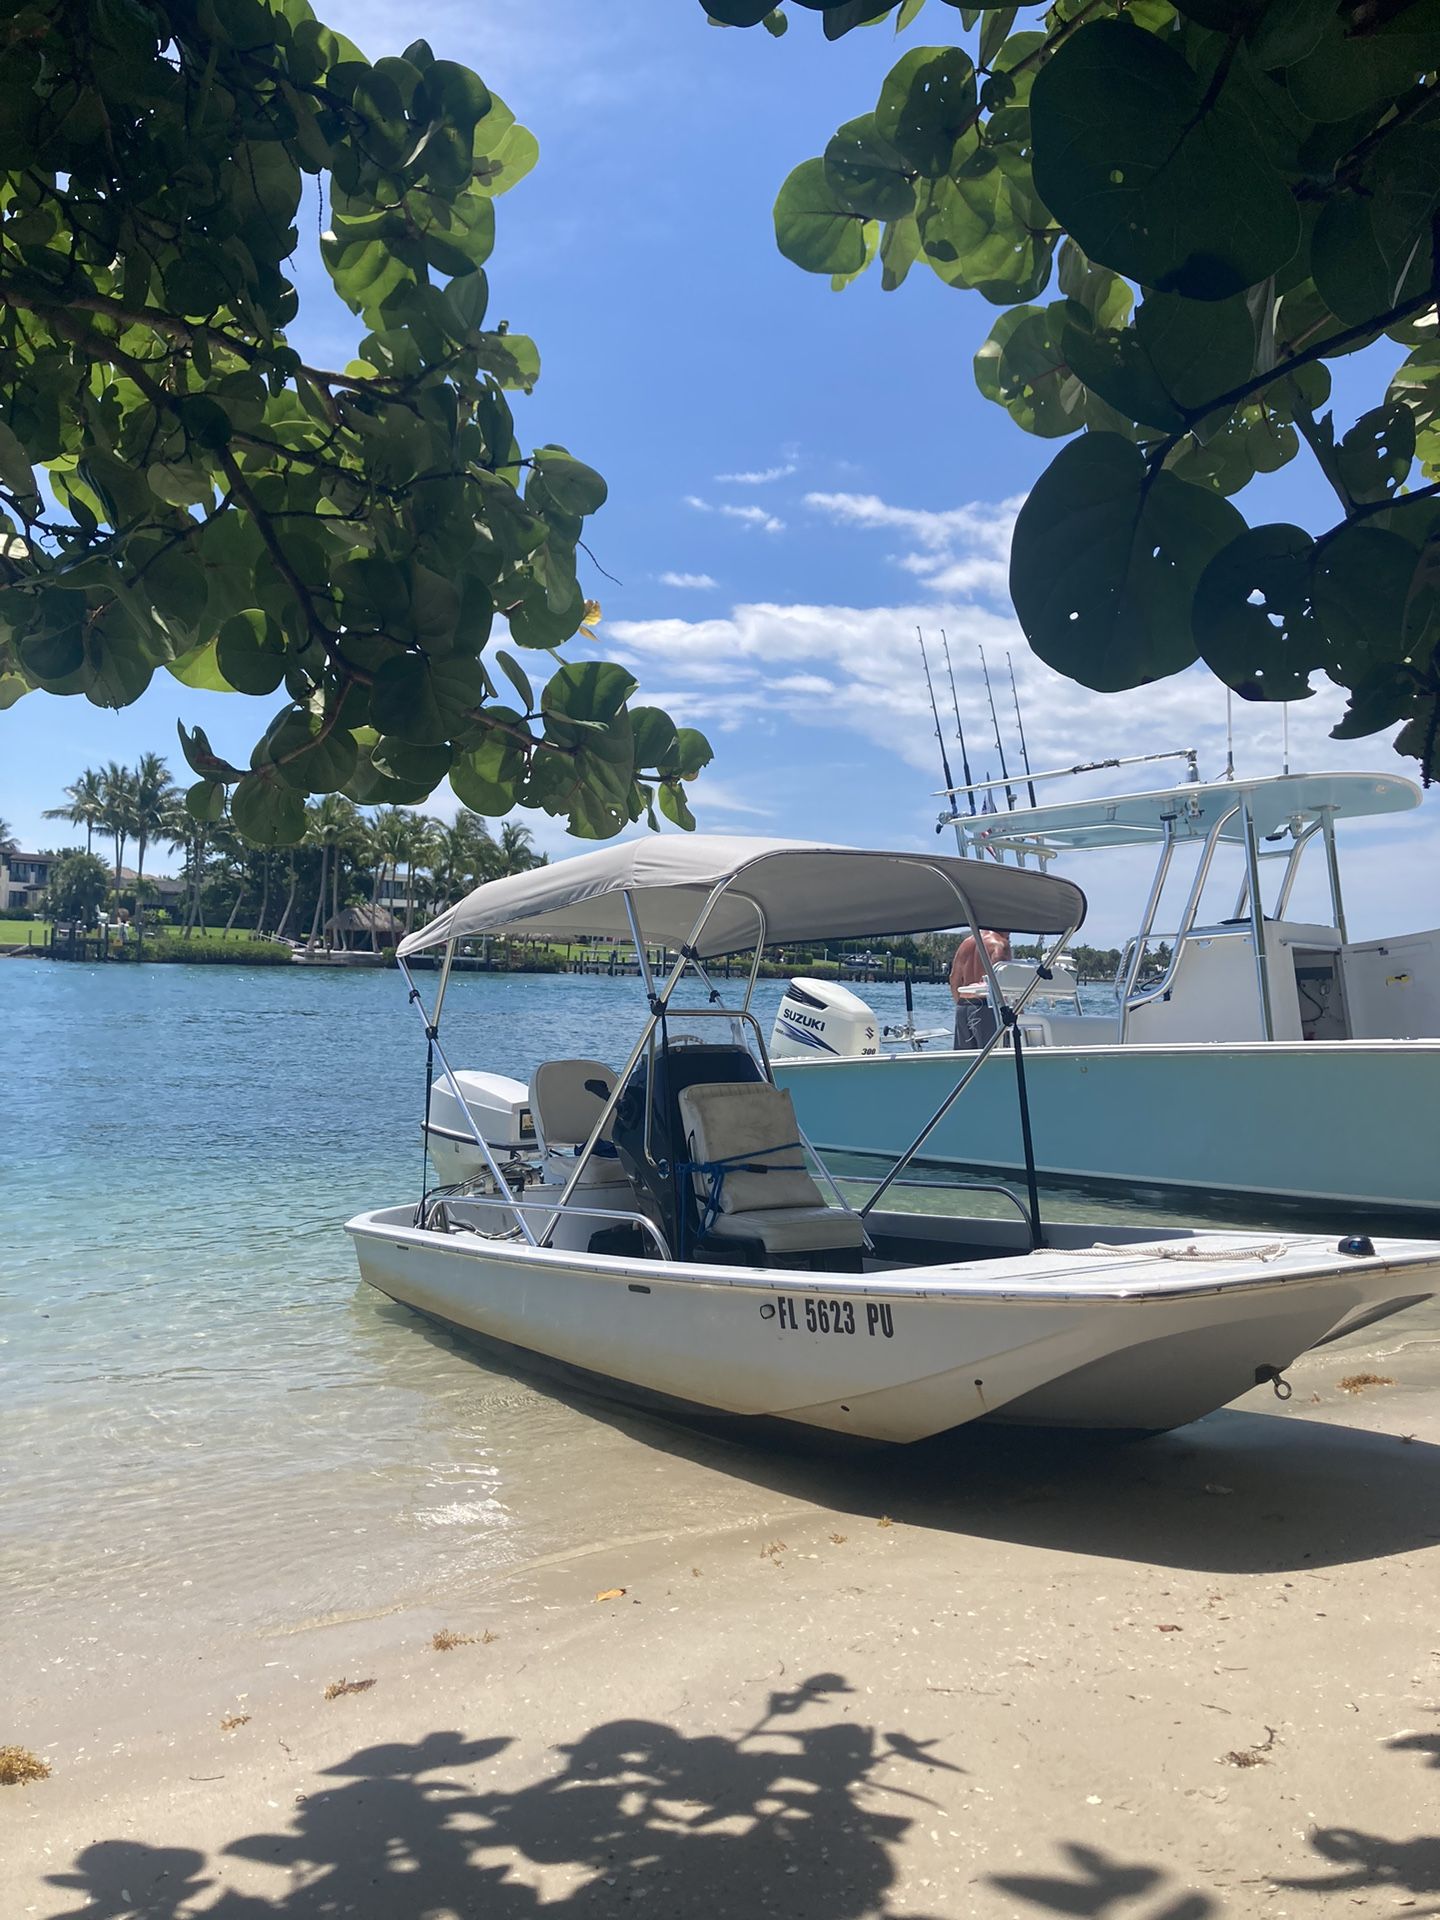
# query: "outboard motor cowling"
821,1020
499,1108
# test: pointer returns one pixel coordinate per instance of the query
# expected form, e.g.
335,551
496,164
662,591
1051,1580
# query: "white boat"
657,1227
1265,1059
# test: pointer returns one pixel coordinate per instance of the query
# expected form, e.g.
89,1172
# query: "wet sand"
1004,1675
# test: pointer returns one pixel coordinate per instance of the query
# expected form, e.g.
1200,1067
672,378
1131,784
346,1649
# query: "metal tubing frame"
433,1037
1292,866
1147,920
1257,918
1332,862
628,1217
640,954
658,1004
744,1013
445,966
1192,754
1187,923
972,1067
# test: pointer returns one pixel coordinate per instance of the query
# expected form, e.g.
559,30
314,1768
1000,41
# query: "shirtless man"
974,1017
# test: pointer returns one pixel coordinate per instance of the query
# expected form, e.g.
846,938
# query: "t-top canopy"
795,889
1138,819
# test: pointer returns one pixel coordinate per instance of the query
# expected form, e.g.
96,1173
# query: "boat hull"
1337,1126
1113,1341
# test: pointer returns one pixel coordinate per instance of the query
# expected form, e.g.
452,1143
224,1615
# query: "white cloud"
760,477
981,525
748,516
687,580
766,668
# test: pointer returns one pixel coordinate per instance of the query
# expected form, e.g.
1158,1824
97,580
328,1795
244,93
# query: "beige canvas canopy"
772,890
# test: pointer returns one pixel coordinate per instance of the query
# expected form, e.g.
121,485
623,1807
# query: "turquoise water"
209,1425
208,1418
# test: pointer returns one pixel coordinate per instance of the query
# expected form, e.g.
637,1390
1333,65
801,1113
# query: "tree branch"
1319,350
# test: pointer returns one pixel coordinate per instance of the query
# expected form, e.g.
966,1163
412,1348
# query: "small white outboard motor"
499,1107
821,1020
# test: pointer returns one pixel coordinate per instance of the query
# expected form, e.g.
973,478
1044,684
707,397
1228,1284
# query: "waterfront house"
23,879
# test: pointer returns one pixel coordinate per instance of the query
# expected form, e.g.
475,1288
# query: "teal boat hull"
1331,1127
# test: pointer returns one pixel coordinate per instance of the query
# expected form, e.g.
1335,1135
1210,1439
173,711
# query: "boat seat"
566,1097
750,1178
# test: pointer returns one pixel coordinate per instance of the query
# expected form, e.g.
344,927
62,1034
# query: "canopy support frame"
1005,1025
432,1034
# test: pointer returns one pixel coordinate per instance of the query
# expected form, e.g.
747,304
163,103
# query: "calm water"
208,1422
205,1415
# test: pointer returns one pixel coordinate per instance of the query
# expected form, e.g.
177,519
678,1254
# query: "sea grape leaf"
814,228
1105,560
1149,174
866,174
927,102
1254,619
1022,367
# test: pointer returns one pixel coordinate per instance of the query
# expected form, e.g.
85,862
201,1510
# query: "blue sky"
796,477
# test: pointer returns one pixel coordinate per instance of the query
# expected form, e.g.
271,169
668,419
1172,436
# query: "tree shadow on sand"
1102,1886
1368,1861
636,1816
1097,1885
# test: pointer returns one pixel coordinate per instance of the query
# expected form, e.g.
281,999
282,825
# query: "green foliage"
181,491
1239,191
77,888
213,950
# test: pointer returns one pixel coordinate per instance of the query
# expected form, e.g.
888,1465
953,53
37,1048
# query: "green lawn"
15,933
19,933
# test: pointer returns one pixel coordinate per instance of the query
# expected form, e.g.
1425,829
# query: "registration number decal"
836,1316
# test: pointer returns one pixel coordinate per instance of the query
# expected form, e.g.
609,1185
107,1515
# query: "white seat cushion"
566,1097
749,1128
792,1229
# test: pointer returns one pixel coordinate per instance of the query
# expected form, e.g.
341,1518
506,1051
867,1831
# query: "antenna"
935,711
955,702
999,743
1285,736
1229,734
1020,727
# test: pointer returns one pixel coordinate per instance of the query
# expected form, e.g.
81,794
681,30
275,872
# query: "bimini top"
782,889
1138,819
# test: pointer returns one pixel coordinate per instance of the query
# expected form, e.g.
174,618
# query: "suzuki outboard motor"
821,1020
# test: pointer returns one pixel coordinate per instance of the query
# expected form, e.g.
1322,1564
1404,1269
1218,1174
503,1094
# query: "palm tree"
293,870
263,915
421,844
517,848
386,845
86,806
181,830
152,793
334,826
231,863
117,809
8,843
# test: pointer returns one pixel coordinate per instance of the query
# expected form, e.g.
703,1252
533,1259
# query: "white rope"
1271,1251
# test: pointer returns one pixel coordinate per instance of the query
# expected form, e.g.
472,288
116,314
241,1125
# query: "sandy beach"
1006,1675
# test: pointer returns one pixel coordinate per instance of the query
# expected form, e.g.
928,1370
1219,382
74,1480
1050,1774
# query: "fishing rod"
999,743
955,702
939,736
1020,727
